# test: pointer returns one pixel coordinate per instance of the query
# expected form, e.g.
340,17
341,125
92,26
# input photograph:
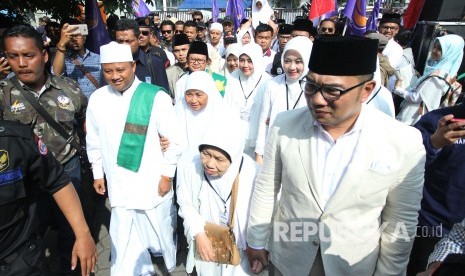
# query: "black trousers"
28,260
422,248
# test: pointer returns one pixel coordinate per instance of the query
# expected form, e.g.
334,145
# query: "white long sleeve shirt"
106,117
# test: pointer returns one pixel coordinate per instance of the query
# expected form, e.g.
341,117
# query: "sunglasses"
323,29
197,19
145,33
178,32
166,32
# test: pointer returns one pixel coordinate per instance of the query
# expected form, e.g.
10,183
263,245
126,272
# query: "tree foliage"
20,10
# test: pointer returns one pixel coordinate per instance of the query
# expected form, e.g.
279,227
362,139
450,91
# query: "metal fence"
287,14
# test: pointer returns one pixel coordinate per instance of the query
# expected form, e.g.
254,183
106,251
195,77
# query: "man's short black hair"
328,19
26,31
197,13
167,23
179,22
128,24
403,38
261,28
190,23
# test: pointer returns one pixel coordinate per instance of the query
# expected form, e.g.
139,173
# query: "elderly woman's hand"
204,248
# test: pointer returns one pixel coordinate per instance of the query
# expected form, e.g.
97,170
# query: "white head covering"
114,52
233,49
263,15
254,51
303,45
216,26
242,32
194,123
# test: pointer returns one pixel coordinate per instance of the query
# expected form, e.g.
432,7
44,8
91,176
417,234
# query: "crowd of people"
322,153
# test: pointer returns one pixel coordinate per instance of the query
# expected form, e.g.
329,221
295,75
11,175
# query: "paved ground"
102,238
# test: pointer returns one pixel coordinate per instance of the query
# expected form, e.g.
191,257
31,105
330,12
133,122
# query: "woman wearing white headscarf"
200,103
245,36
204,187
440,71
261,12
283,92
232,59
245,92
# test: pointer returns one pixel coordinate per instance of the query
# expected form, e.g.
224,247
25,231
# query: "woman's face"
232,63
293,64
196,99
214,162
245,38
259,5
436,52
246,65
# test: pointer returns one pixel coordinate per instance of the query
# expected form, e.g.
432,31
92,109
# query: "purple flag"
356,11
215,10
235,9
98,34
372,24
140,8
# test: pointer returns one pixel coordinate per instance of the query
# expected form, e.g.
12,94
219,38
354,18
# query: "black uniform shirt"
25,166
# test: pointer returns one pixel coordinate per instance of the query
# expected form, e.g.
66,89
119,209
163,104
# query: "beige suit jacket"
367,226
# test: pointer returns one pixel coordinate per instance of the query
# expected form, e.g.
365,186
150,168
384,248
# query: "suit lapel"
308,159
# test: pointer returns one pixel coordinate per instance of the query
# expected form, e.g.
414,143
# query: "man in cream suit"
351,176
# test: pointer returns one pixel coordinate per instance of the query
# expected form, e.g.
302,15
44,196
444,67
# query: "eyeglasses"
330,94
177,32
196,60
323,29
394,28
145,33
166,32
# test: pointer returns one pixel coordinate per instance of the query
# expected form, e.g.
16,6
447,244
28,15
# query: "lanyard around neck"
287,95
247,97
222,200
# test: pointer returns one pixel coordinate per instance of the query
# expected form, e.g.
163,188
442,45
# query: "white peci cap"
114,52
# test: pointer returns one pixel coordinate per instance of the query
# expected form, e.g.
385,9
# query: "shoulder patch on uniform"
42,147
4,160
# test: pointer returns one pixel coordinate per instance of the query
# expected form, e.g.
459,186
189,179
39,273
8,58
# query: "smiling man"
351,176
126,119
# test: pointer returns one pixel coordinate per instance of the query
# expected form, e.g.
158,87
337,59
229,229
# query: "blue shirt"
91,62
443,202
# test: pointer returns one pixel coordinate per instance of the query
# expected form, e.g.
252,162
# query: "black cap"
390,18
198,47
343,56
228,19
303,25
141,21
180,39
285,29
201,25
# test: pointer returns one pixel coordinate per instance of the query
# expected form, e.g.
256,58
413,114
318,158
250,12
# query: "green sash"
220,81
132,142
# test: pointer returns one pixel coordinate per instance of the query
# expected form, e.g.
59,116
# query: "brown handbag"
222,237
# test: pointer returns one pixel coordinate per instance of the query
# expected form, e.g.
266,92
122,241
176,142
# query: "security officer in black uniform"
26,165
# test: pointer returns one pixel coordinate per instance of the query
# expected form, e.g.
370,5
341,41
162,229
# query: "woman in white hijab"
438,79
261,12
200,103
204,188
232,59
283,92
245,92
245,36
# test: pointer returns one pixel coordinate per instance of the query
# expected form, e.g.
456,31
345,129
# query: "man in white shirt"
350,177
216,35
126,120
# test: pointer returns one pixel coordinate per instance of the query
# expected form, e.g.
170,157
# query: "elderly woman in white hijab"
201,103
204,188
438,79
245,92
283,92
232,59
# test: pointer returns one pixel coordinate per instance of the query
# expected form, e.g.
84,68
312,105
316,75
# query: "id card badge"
245,113
148,79
224,218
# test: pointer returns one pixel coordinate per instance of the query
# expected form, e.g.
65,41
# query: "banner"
215,10
372,24
356,11
98,34
235,9
140,8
